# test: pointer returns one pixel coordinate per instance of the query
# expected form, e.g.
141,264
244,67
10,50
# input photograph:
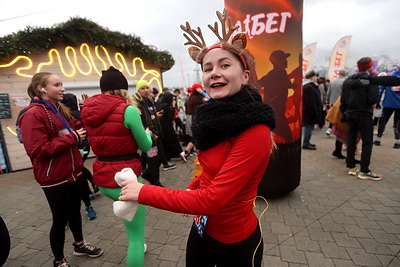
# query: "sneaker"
353,171
193,154
183,156
377,143
369,176
145,248
87,250
396,145
91,214
63,263
169,167
328,132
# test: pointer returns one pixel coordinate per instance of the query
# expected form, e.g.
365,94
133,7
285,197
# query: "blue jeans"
307,134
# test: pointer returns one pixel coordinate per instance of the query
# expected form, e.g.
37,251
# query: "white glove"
125,209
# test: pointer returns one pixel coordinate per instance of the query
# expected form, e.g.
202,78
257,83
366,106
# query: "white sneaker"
183,156
328,132
145,247
353,171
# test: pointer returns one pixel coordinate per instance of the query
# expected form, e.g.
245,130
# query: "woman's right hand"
130,190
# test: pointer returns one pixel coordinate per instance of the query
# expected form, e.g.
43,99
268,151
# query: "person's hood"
98,107
70,101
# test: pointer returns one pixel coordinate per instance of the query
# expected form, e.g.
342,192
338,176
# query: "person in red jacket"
115,132
50,135
232,131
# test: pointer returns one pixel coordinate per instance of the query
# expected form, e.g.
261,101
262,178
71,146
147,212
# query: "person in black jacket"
150,160
359,94
71,102
312,108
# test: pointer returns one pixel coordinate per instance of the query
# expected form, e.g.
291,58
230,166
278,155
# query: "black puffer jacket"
360,92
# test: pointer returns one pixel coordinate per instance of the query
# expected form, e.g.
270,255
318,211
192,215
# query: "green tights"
134,230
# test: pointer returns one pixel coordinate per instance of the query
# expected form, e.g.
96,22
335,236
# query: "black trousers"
364,125
86,177
386,114
207,252
65,204
151,169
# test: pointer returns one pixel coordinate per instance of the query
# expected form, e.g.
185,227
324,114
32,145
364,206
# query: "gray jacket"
334,90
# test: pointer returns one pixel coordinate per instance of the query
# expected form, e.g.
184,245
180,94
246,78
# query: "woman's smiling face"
54,90
223,74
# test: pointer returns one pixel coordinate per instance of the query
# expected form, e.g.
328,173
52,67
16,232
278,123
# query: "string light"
85,52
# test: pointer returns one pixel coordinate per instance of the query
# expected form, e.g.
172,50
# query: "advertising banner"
274,33
338,57
308,57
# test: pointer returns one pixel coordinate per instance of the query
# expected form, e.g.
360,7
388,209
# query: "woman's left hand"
130,190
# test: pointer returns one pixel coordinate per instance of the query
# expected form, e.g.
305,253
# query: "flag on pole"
339,57
308,57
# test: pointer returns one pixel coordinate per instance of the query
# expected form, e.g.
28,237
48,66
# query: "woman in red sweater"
232,133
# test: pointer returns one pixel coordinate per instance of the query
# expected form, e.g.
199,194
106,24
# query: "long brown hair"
124,94
41,79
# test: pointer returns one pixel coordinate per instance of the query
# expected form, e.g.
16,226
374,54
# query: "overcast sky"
374,24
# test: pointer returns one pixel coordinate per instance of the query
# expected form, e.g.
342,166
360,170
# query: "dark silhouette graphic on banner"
274,30
276,86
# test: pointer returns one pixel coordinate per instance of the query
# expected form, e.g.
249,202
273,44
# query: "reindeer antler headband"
200,48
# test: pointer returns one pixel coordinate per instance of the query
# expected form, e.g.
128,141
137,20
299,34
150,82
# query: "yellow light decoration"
101,53
11,130
18,70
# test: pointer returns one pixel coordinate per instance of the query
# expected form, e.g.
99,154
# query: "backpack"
17,129
19,135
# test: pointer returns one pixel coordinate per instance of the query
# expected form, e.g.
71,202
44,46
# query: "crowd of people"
223,121
350,103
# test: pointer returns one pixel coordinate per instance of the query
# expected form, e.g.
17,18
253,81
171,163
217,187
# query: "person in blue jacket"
390,105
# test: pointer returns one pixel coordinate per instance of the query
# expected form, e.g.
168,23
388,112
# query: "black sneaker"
369,176
169,166
397,146
377,143
63,263
86,249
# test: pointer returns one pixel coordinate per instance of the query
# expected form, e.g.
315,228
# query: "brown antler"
226,34
196,41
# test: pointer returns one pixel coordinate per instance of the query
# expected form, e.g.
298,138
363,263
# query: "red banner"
274,31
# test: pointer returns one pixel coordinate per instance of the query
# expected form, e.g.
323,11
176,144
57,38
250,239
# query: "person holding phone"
51,135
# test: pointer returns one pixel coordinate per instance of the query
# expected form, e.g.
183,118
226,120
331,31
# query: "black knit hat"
113,79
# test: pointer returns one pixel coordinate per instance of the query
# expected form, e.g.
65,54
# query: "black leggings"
207,252
65,204
86,177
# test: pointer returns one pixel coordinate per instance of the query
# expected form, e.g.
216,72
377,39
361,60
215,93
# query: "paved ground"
331,219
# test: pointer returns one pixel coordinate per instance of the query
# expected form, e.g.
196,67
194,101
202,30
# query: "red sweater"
225,189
